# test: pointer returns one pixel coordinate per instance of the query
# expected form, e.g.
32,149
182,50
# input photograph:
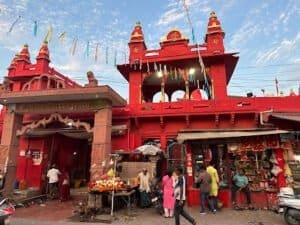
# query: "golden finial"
138,24
213,15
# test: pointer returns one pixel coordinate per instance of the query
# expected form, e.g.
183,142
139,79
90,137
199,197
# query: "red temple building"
49,118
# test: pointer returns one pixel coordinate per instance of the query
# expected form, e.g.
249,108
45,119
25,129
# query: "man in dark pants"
204,180
180,192
240,184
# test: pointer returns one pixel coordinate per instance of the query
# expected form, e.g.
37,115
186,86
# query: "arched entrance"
92,103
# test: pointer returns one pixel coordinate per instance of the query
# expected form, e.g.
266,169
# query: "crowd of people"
173,185
174,194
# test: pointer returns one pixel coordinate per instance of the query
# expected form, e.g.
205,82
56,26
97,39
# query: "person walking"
168,194
240,183
214,187
53,178
180,195
204,180
144,188
64,186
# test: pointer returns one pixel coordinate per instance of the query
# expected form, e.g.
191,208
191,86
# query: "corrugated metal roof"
287,116
224,134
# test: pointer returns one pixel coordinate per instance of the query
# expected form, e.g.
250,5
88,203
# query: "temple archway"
177,96
158,97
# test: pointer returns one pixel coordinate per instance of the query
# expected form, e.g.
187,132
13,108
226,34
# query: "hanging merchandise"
175,74
96,52
35,28
48,36
61,37
13,24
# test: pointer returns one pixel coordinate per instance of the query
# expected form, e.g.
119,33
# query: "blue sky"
265,33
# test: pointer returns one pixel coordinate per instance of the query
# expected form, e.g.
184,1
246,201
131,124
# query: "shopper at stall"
240,183
64,186
53,176
214,187
144,188
180,195
168,191
204,180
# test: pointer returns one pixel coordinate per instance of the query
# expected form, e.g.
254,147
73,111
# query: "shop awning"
295,117
217,134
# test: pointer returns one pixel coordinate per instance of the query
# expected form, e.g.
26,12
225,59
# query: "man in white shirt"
53,176
180,195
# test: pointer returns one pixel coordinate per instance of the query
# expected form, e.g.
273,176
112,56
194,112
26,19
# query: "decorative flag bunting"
106,55
13,24
48,36
96,52
141,64
35,28
115,59
87,50
148,67
74,45
155,67
165,69
202,66
62,37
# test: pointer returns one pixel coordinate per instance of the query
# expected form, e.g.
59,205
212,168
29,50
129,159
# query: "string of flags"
207,87
74,42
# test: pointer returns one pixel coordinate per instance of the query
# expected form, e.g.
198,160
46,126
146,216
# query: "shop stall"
261,157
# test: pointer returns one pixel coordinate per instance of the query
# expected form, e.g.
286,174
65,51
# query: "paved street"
58,213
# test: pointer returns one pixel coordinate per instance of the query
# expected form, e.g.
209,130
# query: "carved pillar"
101,141
10,148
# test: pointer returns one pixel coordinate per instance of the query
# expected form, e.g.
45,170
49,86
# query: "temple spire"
137,44
214,35
137,34
44,52
24,54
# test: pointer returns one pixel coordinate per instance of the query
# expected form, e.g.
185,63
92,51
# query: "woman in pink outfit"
169,199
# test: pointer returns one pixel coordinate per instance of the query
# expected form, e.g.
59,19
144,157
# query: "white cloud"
243,34
170,16
284,49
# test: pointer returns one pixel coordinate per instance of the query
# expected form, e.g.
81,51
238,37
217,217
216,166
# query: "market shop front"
256,151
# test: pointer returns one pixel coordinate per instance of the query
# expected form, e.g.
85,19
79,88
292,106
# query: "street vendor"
144,188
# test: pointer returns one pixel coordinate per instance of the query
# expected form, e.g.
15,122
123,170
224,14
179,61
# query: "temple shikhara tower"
178,100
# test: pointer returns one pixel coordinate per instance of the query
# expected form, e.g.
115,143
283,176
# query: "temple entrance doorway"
72,155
